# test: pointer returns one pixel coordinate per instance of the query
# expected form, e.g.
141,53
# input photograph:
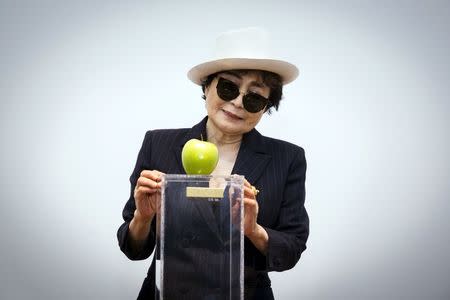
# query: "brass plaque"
204,192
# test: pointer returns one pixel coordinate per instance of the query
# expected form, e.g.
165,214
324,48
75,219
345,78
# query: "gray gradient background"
81,82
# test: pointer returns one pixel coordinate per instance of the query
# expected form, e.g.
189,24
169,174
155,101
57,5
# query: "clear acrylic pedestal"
200,243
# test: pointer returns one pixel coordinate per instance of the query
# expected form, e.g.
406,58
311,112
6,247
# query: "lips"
231,115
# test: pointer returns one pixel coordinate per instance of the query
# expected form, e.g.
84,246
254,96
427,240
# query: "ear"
206,86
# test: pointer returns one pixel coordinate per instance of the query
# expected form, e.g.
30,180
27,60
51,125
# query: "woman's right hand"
147,194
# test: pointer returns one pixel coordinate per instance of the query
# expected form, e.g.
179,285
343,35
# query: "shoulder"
287,156
156,134
177,132
277,146
163,137
166,133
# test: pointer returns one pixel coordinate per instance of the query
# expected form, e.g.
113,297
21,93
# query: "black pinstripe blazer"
277,168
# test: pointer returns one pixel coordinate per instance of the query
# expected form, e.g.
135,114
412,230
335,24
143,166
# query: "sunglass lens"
227,90
254,103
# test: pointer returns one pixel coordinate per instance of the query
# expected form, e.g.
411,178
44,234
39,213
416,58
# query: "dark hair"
270,79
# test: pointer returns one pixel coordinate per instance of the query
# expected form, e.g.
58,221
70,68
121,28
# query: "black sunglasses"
228,90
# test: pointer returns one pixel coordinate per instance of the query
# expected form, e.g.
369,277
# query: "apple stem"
201,136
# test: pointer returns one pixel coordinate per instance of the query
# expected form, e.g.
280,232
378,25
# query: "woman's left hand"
252,230
251,209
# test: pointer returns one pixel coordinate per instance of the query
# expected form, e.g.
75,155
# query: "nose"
238,100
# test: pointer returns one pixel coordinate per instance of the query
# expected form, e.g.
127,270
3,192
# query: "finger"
154,175
255,190
144,189
250,192
246,183
144,181
144,186
159,175
250,202
251,206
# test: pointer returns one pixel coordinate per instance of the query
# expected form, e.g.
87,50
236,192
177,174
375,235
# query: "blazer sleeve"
143,163
287,239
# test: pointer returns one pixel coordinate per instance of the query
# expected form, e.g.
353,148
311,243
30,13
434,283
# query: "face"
231,117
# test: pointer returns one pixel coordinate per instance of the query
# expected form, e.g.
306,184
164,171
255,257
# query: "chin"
229,127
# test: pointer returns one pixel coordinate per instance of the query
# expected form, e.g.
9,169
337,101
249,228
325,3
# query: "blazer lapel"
252,158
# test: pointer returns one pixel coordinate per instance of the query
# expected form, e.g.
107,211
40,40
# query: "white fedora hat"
246,48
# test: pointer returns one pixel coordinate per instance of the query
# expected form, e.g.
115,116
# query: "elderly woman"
240,85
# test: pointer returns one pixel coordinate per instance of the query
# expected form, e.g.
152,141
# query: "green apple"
199,157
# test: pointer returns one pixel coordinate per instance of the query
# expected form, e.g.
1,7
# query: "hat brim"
287,71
